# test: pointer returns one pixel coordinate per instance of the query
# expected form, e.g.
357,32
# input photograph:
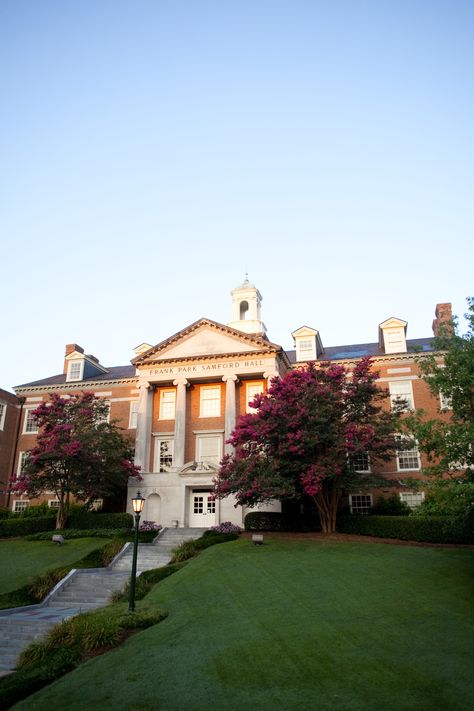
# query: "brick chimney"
70,348
443,323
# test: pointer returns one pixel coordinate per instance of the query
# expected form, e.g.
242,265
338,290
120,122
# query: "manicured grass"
21,561
294,625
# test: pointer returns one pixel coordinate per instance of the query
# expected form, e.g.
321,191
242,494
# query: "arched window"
244,307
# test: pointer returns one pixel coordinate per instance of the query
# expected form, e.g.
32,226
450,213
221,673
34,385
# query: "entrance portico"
193,387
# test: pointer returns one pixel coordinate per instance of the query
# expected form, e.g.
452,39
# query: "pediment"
205,338
393,322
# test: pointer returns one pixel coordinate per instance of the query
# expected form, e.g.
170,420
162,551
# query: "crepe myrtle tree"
77,453
303,437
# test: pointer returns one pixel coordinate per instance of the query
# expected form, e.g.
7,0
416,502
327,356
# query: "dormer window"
392,336
74,370
306,350
308,344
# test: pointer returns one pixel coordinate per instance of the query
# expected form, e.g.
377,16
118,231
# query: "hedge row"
275,521
12,527
428,529
91,519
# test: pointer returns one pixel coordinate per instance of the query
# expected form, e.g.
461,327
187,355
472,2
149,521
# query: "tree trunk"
61,517
327,502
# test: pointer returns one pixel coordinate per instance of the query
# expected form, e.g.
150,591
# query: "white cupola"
246,302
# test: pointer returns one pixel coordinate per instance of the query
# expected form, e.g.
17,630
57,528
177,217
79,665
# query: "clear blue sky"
152,152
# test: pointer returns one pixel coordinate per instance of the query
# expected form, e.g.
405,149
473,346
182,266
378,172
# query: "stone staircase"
82,590
158,553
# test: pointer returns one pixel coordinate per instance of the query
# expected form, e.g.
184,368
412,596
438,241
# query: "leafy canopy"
448,440
305,435
77,453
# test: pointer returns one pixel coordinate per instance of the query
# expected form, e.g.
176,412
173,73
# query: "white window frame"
445,402
29,424
3,414
53,503
408,453
406,388
167,404
366,455
252,389
356,507
306,348
209,459
70,377
19,509
21,461
408,498
133,415
158,466
210,406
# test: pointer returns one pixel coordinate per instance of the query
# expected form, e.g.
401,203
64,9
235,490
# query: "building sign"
204,369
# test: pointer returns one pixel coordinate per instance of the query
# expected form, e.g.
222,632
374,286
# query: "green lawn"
22,560
294,625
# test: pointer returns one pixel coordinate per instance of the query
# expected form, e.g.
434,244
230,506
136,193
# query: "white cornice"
75,385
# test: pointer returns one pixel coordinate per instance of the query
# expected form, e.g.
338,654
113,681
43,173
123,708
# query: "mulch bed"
349,538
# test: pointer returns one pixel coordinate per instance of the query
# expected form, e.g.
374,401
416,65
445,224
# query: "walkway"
82,590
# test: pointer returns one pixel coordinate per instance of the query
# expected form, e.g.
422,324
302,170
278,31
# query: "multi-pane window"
204,503
30,424
445,402
209,449
20,506
359,462
210,401
132,423
164,447
306,350
106,416
408,458
74,371
3,412
252,389
53,503
401,392
395,341
412,498
167,404
360,504
22,459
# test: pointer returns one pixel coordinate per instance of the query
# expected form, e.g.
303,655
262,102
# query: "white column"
230,381
143,433
269,374
180,422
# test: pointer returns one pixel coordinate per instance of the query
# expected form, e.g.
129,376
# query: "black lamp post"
138,503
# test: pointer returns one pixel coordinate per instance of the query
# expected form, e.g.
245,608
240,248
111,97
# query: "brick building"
10,412
180,400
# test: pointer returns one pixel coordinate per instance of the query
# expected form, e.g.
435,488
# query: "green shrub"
93,519
429,529
14,527
391,506
71,533
4,513
40,510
